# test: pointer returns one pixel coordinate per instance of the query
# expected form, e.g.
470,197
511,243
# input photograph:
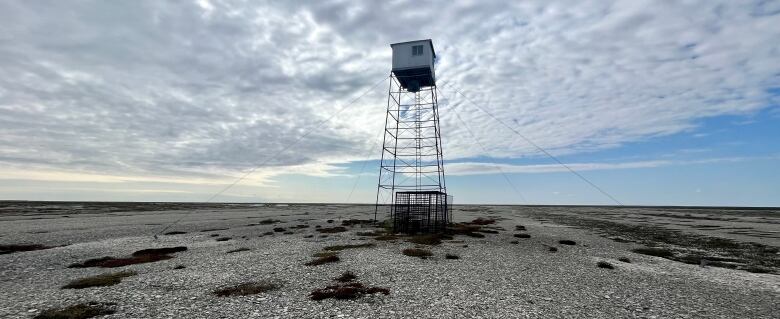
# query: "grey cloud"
150,87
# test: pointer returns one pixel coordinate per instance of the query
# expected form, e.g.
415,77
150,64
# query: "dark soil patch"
347,276
329,221
522,236
301,226
179,267
175,233
238,250
488,231
103,280
78,311
269,221
279,229
331,230
475,235
223,239
519,228
451,256
351,290
288,233
214,235
308,236
416,252
514,242
625,259
9,249
605,265
245,289
553,249
323,260
567,242
342,247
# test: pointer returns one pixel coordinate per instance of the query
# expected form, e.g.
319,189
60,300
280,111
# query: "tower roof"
430,42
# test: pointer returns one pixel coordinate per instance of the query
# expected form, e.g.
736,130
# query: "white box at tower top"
413,64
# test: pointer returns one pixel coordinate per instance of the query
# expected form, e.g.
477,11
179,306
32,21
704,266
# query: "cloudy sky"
656,102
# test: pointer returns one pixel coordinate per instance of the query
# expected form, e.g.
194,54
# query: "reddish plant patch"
351,290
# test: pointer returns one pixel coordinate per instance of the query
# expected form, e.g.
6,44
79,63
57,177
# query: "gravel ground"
492,279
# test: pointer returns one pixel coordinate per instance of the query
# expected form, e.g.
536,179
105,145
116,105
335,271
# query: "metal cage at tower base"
421,212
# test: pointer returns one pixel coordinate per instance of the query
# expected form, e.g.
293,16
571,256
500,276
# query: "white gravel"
493,278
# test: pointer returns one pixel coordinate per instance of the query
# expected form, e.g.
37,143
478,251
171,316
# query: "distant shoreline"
6,201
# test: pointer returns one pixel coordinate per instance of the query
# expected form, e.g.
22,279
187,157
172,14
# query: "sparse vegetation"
160,251
373,233
138,257
352,222
451,256
179,267
519,228
238,250
223,239
269,221
103,280
300,226
213,229
604,264
78,311
514,242
522,235
428,239
488,231
342,247
323,260
386,237
325,254
279,229
347,276
624,259
482,221
175,233
245,289
416,252
567,242
330,230
553,249
9,249
350,290
653,251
